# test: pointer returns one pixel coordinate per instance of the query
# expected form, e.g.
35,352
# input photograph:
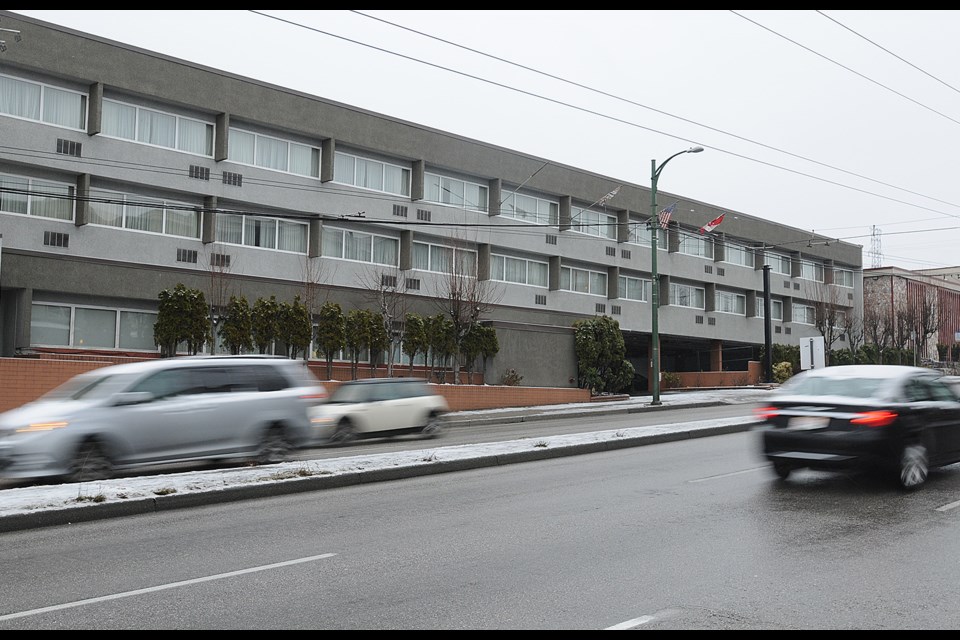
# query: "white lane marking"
630,624
947,507
162,587
727,475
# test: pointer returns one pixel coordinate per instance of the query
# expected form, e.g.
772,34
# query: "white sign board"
812,353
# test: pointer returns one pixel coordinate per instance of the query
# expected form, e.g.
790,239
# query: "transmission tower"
876,253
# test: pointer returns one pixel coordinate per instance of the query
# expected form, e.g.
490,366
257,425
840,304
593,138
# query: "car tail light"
765,413
874,418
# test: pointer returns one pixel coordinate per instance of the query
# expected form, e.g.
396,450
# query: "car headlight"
42,426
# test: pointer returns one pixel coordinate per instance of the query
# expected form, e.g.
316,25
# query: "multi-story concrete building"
124,172
917,310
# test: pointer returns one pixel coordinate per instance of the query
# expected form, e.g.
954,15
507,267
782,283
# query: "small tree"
357,323
182,316
378,339
489,346
415,339
600,350
441,334
266,324
294,327
236,326
331,333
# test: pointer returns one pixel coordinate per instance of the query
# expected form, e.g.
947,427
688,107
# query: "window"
633,289
776,309
440,259
518,270
843,277
371,174
736,254
730,302
456,193
156,128
583,281
593,223
115,209
804,314
639,233
696,245
811,271
32,197
684,295
43,103
273,153
530,209
263,232
778,263
91,327
362,247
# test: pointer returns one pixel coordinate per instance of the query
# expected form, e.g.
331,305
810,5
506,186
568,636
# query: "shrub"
511,378
782,371
670,380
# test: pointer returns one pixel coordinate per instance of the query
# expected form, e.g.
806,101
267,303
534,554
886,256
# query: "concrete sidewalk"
52,505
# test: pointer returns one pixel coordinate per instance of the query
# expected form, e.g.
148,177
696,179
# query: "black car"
899,420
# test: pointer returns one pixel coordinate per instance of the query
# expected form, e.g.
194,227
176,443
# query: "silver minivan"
184,409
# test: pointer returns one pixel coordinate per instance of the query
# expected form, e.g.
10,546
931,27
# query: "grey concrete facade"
105,267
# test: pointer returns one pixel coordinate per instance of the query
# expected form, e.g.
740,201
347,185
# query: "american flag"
664,216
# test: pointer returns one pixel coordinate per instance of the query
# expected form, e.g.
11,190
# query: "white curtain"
356,246
421,256
106,213
332,243
441,259
271,153
195,137
344,169
515,270
260,232
537,273
229,228
396,180
10,201
369,174
119,120
19,98
292,237
183,222
65,108
157,128
386,250
242,146
50,200
145,217
304,160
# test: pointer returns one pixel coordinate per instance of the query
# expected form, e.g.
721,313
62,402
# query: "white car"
183,409
378,407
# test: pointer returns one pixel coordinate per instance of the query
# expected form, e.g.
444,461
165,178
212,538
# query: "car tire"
90,462
782,469
913,467
343,434
274,447
433,427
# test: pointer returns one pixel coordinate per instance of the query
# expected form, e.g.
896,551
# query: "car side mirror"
132,397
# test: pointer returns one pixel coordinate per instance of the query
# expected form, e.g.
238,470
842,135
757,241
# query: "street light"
655,284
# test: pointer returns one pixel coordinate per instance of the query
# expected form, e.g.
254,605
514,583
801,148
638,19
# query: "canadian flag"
710,226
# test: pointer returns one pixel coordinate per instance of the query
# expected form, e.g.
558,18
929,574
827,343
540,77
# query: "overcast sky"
845,123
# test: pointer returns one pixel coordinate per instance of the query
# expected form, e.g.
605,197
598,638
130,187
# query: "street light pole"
655,276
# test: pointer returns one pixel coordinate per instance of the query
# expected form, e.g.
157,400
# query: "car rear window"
827,386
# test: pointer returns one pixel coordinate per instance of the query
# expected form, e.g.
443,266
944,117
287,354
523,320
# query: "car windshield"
827,386
88,386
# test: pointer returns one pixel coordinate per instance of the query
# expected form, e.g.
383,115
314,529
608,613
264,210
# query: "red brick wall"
25,379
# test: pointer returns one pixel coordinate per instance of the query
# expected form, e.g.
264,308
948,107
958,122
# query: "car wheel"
913,467
344,433
274,448
433,427
90,462
782,469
